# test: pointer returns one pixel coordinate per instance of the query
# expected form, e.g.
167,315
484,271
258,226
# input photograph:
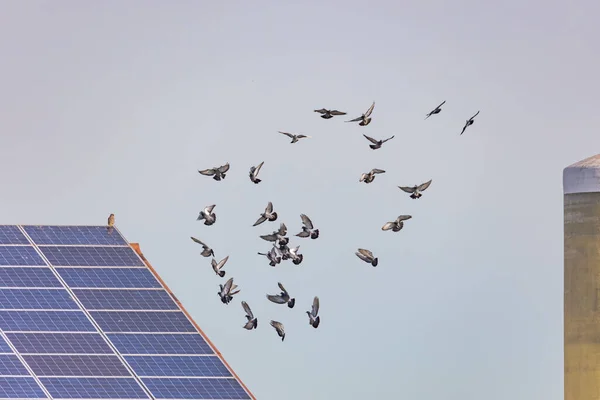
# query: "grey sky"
113,106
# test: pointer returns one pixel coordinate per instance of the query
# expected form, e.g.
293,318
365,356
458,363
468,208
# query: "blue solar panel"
195,388
91,256
45,321
94,388
142,321
76,365
11,365
74,235
152,343
20,388
28,277
36,298
86,343
103,299
178,366
108,277
11,234
20,255
4,347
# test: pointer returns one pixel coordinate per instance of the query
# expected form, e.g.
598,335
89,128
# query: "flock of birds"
281,250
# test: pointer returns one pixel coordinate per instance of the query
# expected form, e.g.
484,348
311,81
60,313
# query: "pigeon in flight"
273,256
313,317
279,328
415,191
326,114
216,266
251,322
364,119
254,173
436,110
295,138
111,223
217,173
367,256
208,215
278,236
368,177
227,291
206,251
269,214
469,122
377,143
282,298
293,254
396,225
307,228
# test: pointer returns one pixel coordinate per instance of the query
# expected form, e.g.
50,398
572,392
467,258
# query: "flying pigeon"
273,256
226,291
364,119
279,328
295,138
369,177
313,317
282,298
251,322
269,214
436,110
469,122
396,225
326,114
416,190
208,215
111,223
254,173
206,251
217,266
278,236
377,143
217,173
367,256
293,254
307,228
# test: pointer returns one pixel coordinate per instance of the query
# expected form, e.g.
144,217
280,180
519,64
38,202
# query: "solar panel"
83,317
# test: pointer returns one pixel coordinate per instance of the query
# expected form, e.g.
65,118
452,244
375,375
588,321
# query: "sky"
112,107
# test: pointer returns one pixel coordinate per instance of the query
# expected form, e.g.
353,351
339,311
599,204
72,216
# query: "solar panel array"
83,317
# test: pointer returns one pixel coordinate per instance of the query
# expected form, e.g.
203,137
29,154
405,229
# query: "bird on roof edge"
111,223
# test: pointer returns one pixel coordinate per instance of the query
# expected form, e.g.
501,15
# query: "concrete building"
581,188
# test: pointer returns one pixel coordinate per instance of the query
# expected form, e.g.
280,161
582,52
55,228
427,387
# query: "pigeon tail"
375,262
317,322
291,303
221,273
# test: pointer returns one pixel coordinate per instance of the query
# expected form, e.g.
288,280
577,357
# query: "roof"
84,315
583,176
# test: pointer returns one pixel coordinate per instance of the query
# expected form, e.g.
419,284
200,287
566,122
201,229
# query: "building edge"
136,248
582,176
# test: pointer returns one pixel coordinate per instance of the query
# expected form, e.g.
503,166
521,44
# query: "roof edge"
582,176
136,248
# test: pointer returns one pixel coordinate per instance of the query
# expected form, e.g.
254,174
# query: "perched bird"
217,266
294,255
279,328
364,119
295,138
254,173
269,214
278,236
313,317
436,110
367,256
396,225
326,114
377,143
469,122
227,291
111,223
307,228
282,298
217,173
251,322
273,256
206,251
369,177
415,191
208,215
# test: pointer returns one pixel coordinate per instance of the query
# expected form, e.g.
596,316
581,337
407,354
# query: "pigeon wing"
403,218
286,134
371,139
424,186
387,226
269,208
276,299
315,306
362,257
476,114
366,253
356,119
257,169
248,310
306,221
227,286
260,220
390,138
443,102
407,189
282,288
282,229
198,241
269,238
209,209
222,262
321,111
336,112
377,171
207,172
370,110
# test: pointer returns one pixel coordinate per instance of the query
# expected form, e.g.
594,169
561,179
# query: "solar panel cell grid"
27,277
178,366
91,256
195,388
142,321
160,344
74,235
15,299
76,365
108,277
94,388
11,234
4,347
11,365
20,388
125,299
70,321
70,343
20,255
